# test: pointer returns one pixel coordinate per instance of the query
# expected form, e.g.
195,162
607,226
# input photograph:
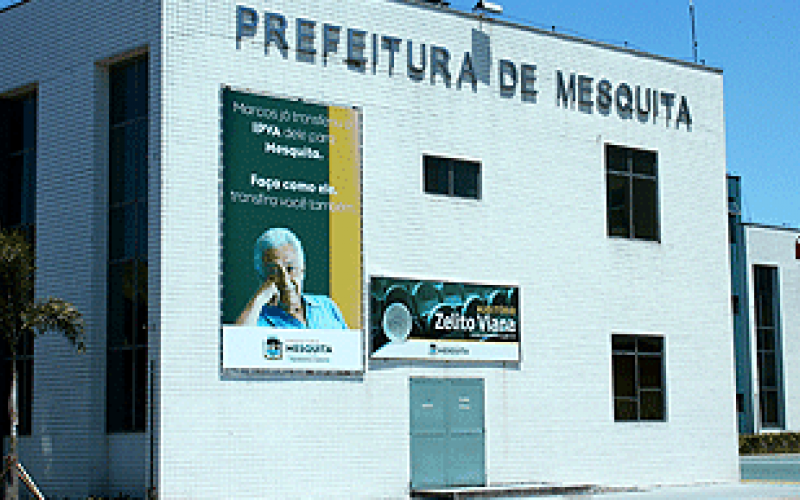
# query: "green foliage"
21,316
778,442
20,312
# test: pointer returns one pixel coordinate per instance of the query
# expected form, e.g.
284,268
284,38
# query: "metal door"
447,432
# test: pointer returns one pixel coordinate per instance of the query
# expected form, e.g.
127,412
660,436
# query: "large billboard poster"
291,235
453,321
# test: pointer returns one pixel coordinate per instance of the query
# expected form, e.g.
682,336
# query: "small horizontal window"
452,177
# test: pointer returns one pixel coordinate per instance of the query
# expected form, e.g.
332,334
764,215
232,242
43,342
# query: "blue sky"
756,43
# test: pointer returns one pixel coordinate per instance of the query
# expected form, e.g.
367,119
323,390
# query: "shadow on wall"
482,56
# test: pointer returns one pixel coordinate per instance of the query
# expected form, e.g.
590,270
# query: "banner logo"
272,348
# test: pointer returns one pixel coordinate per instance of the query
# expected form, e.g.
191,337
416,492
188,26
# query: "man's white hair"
272,239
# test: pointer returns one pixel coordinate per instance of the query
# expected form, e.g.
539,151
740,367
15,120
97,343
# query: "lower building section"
614,408
622,409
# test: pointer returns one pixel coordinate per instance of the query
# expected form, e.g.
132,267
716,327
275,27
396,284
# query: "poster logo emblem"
272,348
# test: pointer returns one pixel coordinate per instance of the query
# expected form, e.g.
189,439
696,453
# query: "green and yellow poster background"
293,164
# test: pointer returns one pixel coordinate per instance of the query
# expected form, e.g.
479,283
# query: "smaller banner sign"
274,349
422,319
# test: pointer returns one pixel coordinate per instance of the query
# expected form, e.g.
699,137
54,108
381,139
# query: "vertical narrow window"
632,193
452,177
768,346
126,377
638,378
18,126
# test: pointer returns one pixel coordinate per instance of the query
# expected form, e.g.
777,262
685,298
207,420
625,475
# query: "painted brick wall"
769,246
540,222
62,49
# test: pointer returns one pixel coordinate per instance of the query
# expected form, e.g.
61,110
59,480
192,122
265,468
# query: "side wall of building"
62,50
777,248
540,223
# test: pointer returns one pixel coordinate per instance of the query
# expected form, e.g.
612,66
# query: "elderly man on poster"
280,302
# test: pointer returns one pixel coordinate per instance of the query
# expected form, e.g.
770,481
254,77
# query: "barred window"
638,377
126,376
18,127
632,193
768,346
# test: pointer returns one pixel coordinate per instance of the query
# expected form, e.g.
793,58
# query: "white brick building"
769,341
601,198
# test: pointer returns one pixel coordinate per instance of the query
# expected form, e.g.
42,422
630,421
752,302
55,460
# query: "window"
797,248
638,377
126,380
768,346
18,117
18,163
632,193
452,177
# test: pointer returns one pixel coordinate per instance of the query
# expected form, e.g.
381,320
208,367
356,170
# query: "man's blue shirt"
322,313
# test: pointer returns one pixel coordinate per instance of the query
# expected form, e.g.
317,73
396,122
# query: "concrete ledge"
514,490
776,468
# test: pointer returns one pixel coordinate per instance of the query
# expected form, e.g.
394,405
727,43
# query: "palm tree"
21,315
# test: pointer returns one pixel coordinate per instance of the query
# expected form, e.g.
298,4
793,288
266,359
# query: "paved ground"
774,477
718,492
734,491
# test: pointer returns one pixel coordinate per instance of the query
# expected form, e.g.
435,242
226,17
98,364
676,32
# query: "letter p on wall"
246,23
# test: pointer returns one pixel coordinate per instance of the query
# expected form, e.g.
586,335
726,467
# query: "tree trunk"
12,491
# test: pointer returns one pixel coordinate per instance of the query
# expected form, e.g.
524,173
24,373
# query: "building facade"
523,232
766,290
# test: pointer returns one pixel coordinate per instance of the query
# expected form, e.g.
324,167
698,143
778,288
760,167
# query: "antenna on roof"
694,32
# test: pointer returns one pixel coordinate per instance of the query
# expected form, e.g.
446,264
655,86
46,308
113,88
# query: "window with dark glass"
768,346
127,247
638,378
18,127
452,177
632,193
